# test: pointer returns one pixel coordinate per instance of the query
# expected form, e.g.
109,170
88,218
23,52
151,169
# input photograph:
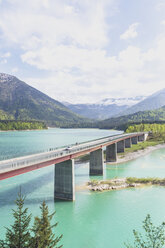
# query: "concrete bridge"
63,159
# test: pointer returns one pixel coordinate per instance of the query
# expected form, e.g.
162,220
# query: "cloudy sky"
85,50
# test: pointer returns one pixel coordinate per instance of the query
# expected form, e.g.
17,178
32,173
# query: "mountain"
104,109
19,101
121,122
122,101
155,101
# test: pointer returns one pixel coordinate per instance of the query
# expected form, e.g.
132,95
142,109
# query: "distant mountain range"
155,101
111,107
19,101
104,109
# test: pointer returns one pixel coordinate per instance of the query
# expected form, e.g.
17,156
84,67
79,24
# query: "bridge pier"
134,140
96,162
145,136
64,187
111,153
121,146
128,143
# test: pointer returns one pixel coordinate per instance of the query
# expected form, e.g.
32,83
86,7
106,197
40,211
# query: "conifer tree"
42,229
18,235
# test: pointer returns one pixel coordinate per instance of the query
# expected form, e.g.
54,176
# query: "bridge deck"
16,166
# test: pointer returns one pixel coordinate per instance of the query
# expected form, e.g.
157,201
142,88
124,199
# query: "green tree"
154,235
42,229
18,236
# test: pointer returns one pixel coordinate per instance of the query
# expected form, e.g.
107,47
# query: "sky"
82,51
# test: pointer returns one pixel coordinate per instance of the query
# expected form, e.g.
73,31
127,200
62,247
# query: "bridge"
63,159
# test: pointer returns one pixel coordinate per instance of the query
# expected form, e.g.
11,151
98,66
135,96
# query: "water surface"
94,220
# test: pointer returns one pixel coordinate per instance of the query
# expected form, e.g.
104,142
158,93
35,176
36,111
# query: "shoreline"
123,183
2,131
134,155
121,159
129,156
111,184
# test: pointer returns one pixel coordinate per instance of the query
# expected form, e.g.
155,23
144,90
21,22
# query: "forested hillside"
157,131
123,122
21,125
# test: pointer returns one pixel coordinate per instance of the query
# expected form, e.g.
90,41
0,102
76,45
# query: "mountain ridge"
121,122
154,101
104,109
23,102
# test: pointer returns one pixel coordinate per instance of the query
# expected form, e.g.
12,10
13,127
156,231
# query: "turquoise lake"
94,220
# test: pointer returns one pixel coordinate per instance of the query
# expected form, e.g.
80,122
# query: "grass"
142,146
149,180
133,148
130,180
94,182
100,182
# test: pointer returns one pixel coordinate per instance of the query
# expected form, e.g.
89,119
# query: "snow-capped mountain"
154,101
105,108
121,101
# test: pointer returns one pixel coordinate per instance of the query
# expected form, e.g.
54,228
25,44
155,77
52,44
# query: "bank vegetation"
122,183
6,125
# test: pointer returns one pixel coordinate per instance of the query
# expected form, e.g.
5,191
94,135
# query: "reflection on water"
94,220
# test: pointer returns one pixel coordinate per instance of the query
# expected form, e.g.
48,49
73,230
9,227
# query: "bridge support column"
134,140
96,162
121,146
111,153
145,136
128,143
64,181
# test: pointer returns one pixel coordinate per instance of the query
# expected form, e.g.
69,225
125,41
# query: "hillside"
19,101
122,122
104,109
155,101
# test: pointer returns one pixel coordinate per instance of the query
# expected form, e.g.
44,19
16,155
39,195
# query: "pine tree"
18,236
42,229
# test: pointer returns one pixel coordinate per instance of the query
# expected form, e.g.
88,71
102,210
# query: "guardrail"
25,161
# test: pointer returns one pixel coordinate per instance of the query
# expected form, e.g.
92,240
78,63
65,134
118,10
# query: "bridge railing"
8,157
12,164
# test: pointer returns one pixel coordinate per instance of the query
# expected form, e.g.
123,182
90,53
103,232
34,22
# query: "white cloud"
160,5
68,41
30,25
69,9
163,22
3,61
46,3
6,55
14,70
131,32
131,73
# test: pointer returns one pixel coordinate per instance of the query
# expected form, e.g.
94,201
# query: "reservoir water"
94,220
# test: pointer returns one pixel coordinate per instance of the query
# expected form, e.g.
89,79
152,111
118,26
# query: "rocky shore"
122,183
114,184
